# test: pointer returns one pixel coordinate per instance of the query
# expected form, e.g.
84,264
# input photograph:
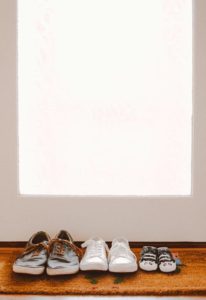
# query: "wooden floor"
188,281
20,297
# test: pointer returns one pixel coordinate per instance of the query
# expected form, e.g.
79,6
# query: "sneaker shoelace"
60,246
165,256
121,250
35,249
149,254
59,249
95,248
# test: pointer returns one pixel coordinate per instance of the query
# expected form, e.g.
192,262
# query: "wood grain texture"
133,244
190,281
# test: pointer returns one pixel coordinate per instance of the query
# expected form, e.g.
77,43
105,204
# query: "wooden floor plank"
23,297
13,297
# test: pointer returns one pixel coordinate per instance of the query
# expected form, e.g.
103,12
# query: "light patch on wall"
105,97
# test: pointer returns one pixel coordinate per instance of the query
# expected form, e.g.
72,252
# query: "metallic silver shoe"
34,258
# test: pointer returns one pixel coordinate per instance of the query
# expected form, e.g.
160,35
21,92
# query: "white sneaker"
167,263
121,258
149,259
95,258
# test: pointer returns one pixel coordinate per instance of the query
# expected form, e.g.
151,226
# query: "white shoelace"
120,249
95,247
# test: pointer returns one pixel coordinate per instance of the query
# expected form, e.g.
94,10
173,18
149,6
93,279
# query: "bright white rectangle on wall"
105,97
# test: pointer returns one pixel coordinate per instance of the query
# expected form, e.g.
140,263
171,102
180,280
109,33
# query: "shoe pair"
59,255
153,258
98,257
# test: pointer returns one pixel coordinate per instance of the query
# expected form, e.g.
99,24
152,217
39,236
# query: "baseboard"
133,244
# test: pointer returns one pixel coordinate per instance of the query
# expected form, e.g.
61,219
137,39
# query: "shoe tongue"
120,240
149,249
97,239
162,249
56,251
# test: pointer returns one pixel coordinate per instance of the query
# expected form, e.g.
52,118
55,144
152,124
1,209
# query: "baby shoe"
149,259
33,259
95,257
167,263
63,255
121,258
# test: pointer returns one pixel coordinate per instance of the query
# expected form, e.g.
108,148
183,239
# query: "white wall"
141,219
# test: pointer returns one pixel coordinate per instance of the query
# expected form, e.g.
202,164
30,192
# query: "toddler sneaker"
95,258
121,258
33,259
167,263
149,259
63,255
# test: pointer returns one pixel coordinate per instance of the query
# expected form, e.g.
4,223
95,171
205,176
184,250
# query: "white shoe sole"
27,270
149,268
62,271
169,270
124,268
93,267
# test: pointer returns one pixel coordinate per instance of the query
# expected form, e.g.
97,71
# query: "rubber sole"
148,268
27,270
93,267
118,268
62,271
167,271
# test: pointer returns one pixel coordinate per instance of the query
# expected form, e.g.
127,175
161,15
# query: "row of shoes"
60,256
